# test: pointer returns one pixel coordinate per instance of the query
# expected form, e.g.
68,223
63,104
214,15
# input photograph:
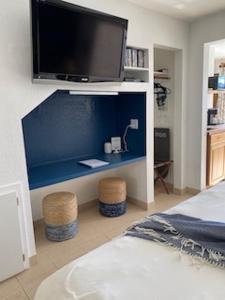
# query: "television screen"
78,44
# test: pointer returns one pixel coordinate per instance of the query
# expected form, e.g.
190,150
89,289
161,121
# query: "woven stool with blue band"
112,197
60,216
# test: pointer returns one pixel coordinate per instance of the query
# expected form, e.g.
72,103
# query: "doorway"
168,115
213,115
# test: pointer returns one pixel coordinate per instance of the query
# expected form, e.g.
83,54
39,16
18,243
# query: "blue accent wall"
132,106
69,126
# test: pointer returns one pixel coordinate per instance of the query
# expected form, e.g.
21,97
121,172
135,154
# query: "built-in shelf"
75,127
138,69
161,75
137,64
60,171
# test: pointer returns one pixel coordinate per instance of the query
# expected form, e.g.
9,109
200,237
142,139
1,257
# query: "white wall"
204,30
19,96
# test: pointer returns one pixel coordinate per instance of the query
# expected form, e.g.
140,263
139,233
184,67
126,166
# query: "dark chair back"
161,144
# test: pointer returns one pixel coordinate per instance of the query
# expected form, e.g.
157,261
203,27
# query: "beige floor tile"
114,232
66,257
16,295
11,289
94,242
62,253
31,279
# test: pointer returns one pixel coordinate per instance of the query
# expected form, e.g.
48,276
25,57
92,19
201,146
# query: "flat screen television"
75,43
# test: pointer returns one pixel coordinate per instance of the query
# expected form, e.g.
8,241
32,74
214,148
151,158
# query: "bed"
129,268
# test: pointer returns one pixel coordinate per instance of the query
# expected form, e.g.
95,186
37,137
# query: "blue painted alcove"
67,128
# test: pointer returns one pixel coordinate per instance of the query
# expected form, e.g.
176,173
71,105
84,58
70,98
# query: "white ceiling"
183,9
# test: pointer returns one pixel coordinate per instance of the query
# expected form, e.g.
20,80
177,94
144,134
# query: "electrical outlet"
134,123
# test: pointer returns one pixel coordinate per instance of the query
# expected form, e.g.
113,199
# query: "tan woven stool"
112,196
60,216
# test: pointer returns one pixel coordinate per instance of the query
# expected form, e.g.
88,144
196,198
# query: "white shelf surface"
126,68
161,75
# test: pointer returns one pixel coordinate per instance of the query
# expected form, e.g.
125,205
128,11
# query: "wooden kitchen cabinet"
215,158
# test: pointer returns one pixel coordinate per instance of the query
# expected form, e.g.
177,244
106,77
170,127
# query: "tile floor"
94,230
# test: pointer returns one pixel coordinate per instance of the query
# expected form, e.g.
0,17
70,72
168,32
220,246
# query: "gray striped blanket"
196,237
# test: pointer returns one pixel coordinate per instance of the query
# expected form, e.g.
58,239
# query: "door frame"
207,56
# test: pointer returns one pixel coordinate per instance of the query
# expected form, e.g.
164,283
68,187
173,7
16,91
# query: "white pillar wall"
19,95
202,32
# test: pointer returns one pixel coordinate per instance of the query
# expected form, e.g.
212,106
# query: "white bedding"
129,268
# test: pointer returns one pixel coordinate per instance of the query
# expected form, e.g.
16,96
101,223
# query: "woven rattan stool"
60,216
112,197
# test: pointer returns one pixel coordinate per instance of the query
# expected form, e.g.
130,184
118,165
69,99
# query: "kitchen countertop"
214,129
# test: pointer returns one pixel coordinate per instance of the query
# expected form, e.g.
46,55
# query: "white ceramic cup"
108,148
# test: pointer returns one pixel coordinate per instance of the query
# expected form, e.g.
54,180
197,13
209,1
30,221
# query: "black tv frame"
72,77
